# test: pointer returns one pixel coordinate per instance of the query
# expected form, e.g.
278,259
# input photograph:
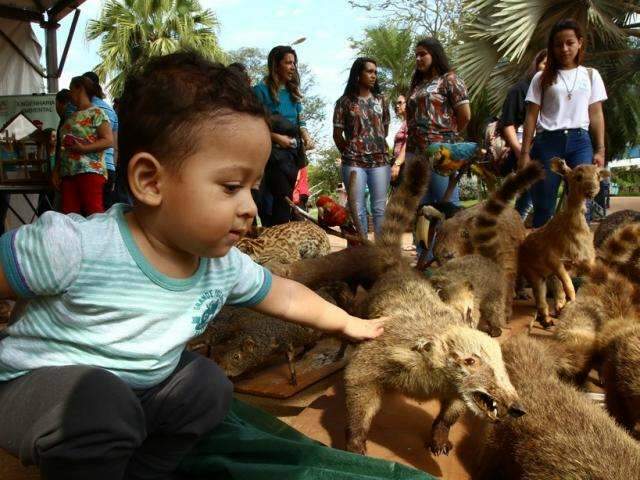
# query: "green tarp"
252,445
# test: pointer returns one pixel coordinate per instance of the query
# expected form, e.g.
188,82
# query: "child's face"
207,205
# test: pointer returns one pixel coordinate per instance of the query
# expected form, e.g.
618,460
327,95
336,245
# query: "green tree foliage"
134,30
392,47
324,171
434,18
500,38
313,106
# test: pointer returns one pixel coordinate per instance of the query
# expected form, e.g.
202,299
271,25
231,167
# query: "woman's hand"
358,329
308,143
73,145
524,159
395,171
307,140
283,140
598,158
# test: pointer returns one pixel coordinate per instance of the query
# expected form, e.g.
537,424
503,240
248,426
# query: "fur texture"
242,339
493,285
563,435
620,374
613,222
286,243
607,296
427,349
622,251
566,238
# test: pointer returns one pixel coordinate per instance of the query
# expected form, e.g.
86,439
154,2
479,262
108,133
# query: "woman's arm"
293,302
533,109
283,140
338,139
306,139
509,135
596,125
104,141
463,115
395,168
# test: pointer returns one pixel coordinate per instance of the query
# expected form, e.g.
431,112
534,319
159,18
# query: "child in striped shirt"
95,382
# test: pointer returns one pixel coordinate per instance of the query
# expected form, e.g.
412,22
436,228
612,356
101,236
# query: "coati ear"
559,166
248,345
423,344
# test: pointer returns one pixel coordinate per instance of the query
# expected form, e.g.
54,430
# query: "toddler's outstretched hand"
359,329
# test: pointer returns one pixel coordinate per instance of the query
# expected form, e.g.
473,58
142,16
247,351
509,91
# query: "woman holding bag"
280,94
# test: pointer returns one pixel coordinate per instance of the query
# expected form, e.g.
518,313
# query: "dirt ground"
399,431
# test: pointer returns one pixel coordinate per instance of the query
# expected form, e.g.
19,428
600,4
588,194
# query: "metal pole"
51,52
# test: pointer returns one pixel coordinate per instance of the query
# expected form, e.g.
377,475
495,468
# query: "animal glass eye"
469,361
236,356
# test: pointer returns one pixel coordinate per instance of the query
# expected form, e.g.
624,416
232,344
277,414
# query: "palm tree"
501,37
391,47
134,30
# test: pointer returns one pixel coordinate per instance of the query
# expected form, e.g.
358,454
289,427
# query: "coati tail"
403,204
622,251
485,233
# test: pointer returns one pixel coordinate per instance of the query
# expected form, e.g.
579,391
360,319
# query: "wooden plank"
273,382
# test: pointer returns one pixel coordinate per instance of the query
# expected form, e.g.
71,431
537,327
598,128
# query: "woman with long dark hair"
511,124
565,101
360,126
280,94
437,109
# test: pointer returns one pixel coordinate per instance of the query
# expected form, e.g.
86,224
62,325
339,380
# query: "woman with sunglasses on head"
280,93
565,102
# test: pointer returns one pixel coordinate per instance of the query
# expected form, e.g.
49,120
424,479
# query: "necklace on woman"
575,78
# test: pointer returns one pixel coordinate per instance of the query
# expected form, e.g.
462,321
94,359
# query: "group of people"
82,152
554,110
110,302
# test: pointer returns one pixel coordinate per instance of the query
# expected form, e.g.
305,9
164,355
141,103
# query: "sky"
326,24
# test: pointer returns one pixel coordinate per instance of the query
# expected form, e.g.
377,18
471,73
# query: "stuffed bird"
331,213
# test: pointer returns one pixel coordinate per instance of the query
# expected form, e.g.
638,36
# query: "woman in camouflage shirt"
360,127
437,108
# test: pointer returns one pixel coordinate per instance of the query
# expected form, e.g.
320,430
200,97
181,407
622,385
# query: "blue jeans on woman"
377,179
437,187
572,145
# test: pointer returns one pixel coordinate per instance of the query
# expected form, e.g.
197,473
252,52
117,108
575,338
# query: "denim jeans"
574,146
437,187
377,179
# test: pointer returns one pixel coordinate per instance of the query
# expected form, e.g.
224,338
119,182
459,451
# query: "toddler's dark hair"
163,105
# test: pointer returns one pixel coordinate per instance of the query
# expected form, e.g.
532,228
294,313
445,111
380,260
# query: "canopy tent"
15,36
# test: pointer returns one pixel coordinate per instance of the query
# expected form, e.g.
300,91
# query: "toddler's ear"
145,173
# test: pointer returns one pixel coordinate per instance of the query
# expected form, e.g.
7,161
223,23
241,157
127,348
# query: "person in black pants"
280,93
4,207
90,413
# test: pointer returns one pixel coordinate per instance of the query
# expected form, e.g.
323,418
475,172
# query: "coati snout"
480,377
